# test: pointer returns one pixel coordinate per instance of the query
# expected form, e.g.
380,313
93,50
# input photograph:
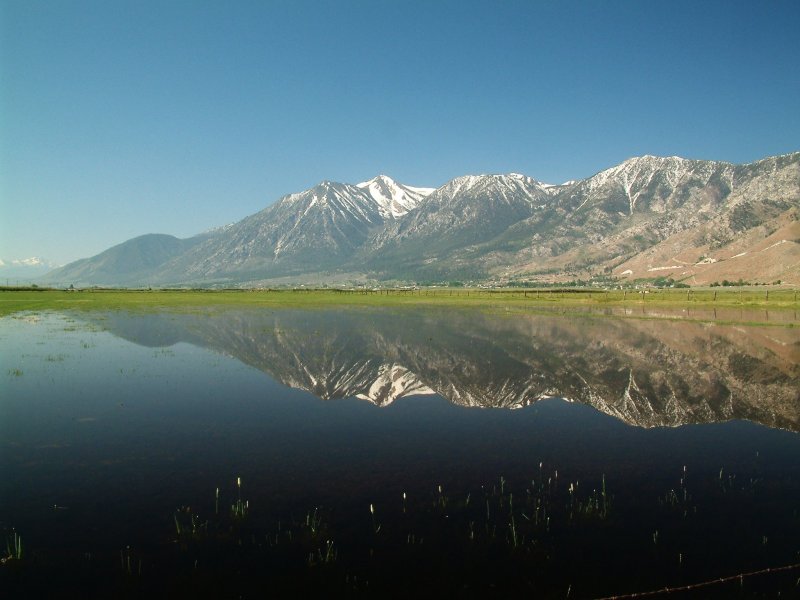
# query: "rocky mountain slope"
318,229
440,236
655,216
691,220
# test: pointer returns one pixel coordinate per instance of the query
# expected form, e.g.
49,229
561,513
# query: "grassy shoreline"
17,300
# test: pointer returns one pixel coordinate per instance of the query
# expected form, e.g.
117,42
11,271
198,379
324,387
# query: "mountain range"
693,221
25,269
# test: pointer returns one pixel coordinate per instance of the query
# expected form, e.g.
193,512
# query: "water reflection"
103,442
644,372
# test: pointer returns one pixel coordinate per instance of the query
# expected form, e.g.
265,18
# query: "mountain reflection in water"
646,373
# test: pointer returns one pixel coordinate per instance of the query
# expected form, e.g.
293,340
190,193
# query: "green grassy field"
12,301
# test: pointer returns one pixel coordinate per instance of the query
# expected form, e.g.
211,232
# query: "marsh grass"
13,546
545,536
145,300
188,525
130,562
240,508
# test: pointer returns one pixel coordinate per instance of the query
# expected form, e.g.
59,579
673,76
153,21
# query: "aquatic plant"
325,555
240,508
522,536
440,499
188,524
375,526
313,521
13,546
130,562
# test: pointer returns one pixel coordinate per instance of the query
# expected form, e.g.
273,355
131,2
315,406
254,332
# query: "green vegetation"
13,547
500,537
507,535
96,299
240,508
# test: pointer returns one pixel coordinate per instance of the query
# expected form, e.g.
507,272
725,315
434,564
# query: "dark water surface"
674,459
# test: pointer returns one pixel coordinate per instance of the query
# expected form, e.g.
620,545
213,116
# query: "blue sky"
124,118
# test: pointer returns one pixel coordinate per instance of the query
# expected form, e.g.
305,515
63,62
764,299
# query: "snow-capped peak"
495,185
393,199
26,267
33,261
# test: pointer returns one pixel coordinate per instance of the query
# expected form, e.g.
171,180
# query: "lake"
380,452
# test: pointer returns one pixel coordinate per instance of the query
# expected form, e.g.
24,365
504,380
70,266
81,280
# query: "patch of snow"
292,198
310,205
588,197
393,199
26,267
775,244
33,261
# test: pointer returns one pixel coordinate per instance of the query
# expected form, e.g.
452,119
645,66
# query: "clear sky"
124,118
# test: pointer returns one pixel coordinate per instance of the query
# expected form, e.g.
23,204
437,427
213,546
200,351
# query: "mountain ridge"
395,199
626,222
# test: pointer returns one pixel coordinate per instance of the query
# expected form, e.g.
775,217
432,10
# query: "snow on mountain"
328,212
394,199
340,199
640,175
502,186
478,226
465,211
26,268
33,261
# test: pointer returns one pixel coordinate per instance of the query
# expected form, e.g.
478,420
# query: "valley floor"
675,302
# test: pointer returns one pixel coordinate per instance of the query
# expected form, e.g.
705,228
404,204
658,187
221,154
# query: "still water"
386,451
